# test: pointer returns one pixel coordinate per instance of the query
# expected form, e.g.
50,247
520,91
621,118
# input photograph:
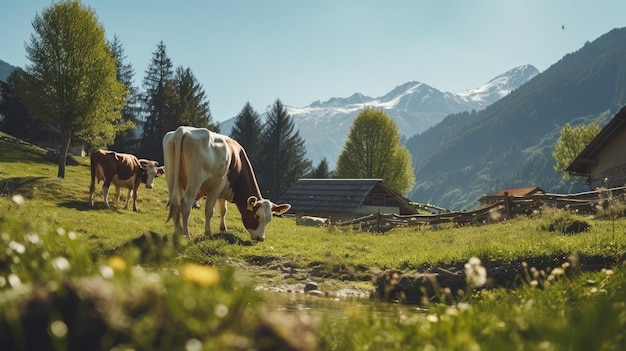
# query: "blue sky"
302,51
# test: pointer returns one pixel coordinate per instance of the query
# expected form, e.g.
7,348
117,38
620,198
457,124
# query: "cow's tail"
176,143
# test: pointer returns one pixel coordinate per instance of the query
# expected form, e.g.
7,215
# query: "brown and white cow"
123,170
200,162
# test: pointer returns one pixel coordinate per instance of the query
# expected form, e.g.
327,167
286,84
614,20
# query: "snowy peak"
356,98
414,106
500,86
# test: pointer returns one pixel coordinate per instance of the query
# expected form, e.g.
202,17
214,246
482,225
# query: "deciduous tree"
571,143
71,82
373,150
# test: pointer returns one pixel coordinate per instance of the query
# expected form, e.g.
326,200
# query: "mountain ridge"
510,143
414,106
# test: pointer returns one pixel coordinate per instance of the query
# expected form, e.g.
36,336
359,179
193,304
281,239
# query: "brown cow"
123,170
199,163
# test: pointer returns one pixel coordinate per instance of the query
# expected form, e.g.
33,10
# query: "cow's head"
149,171
258,214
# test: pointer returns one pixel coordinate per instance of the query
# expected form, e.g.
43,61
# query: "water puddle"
334,307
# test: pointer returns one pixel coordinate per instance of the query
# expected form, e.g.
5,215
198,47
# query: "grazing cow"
123,170
200,162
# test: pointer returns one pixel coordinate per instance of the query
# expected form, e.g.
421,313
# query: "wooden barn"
526,191
343,199
603,161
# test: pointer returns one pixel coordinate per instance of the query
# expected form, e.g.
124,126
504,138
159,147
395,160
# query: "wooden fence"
507,207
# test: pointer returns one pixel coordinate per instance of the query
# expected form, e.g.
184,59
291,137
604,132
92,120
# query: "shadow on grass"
21,185
83,206
227,237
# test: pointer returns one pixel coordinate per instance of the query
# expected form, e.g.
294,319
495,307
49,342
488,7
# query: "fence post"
507,205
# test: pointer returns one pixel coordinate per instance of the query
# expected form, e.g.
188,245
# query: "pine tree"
321,171
193,107
159,103
283,153
248,130
15,119
126,140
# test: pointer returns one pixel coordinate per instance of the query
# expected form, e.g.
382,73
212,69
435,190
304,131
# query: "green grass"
56,269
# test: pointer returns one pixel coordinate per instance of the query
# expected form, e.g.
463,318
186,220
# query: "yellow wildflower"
200,274
117,263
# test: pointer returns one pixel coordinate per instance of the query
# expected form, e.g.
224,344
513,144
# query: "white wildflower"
17,247
106,272
58,329
14,280
475,273
61,264
18,199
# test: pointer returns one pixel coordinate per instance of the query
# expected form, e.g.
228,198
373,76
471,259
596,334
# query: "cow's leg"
185,209
223,211
209,208
92,190
130,193
105,193
134,193
117,193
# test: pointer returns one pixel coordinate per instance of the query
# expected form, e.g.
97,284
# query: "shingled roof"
335,195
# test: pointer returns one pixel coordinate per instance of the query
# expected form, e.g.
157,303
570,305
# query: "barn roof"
520,191
589,154
334,195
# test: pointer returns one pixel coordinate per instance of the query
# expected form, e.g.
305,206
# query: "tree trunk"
66,137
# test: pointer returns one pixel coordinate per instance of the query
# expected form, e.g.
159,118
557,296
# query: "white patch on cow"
264,213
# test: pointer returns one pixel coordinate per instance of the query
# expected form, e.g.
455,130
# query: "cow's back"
206,158
107,164
195,159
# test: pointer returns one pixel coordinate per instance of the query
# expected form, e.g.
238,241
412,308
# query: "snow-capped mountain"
414,106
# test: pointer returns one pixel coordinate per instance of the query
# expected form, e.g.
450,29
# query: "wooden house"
343,199
526,191
603,161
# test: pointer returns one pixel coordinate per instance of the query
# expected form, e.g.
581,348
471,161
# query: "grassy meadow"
75,277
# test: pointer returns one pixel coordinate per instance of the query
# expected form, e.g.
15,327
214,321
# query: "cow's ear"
280,209
143,163
160,170
251,202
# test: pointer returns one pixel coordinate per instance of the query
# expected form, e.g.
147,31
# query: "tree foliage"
321,171
125,141
159,102
15,119
248,130
71,83
571,143
373,150
171,99
193,107
284,156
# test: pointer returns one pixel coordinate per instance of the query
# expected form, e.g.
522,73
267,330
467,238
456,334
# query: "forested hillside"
5,70
510,143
